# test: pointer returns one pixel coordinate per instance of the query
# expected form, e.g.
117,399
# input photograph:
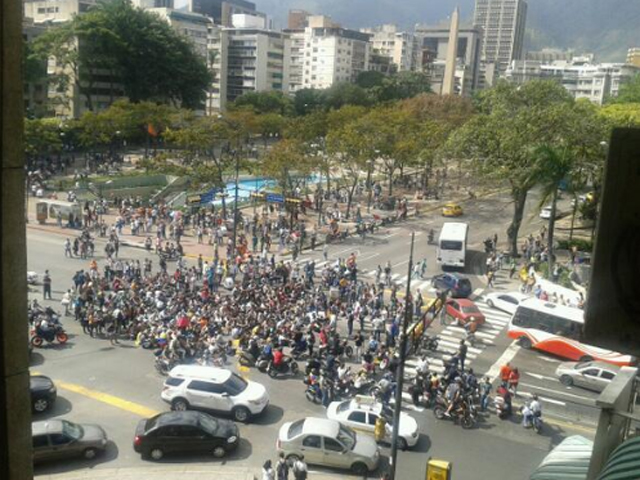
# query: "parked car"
43,393
362,412
59,439
464,311
507,302
185,433
325,442
545,213
213,388
452,210
591,375
459,286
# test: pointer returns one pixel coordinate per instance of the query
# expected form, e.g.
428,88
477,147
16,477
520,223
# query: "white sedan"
361,414
507,302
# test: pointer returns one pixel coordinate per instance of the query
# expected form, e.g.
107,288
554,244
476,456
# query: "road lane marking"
112,400
591,401
508,355
541,377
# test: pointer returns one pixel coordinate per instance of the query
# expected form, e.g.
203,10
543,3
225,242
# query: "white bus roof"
454,231
573,314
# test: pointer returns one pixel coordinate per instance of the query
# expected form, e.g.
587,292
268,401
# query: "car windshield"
347,437
296,428
235,385
343,407
208,423
450,245
580,366
72,430
470,309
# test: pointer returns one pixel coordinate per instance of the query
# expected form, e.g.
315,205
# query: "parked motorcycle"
165,365
430,343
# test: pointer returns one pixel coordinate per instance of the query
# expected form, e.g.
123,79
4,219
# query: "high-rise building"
222,10
332,54
257,58
146,4
434,43
49,12
402,48
633,56
503,24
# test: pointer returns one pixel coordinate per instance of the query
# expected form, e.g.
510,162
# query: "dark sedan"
460,287
43,393
185,432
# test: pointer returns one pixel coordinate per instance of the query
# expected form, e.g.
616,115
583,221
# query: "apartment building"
503,25
582,79
55,11
402,48
222,11
257,58
633,56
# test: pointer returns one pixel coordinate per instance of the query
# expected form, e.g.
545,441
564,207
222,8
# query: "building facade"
192,26
332,54
503,25
402,48
217,49
222,11
633,56
257,59
58,11
434,43
582,79
297,19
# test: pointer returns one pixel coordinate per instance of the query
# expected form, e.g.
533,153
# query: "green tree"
622,114
272,102
288,164
344,93
513,120
42,136
141,52
629,92
308,100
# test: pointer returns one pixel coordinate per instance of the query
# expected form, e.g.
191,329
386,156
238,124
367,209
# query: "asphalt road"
117,385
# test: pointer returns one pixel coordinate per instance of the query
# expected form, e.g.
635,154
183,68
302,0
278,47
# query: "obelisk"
448,83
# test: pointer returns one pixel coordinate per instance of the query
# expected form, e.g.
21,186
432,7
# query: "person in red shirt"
278,358
505,372
514,378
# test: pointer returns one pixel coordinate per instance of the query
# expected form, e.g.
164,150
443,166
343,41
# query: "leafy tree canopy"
265,102
629,92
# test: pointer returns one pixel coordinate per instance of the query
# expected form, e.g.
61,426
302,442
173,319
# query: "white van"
212,388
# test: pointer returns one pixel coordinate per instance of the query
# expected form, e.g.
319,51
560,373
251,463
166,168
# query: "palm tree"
555,163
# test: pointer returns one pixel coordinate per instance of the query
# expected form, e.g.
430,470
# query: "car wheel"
179,405
525,343
219,452
90,453
359,468
291,459
40,405
490,303
156,453
402,444
241,414
566,380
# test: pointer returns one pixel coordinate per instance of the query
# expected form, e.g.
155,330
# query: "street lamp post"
235,206
369,186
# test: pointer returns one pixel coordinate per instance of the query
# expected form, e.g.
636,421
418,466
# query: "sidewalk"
170,472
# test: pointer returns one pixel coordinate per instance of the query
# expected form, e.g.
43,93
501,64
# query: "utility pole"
408,310
235,208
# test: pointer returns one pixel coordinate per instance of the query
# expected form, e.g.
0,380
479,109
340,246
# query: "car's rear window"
470,309
173,381
296,428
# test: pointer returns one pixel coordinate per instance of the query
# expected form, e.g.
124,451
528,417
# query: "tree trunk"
573,217
351,192
552,224
519,200
390,182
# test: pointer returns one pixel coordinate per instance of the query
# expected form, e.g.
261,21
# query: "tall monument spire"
448,83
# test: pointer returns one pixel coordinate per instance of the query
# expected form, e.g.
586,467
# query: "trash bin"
438,470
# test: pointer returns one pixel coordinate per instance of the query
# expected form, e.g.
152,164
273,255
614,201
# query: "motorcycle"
289,365
464,413
38,336
502,409
533,420
263,362
165,365
313,394
246,359
430,343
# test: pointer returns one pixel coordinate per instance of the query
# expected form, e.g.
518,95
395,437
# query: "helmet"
534,396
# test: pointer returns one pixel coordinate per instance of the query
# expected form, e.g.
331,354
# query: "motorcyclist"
387,387
254,349
503,391
453,393
531,409
278,358
423,366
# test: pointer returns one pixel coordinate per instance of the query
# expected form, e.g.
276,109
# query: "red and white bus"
558,330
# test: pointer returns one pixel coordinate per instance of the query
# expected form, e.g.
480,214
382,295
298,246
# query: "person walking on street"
46,286
325,252
66,301
462,354
67,248
282,468
490,277
267,471
505,372
514,379
300,470
485,390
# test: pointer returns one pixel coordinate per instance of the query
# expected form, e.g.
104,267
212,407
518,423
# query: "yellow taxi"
452,210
